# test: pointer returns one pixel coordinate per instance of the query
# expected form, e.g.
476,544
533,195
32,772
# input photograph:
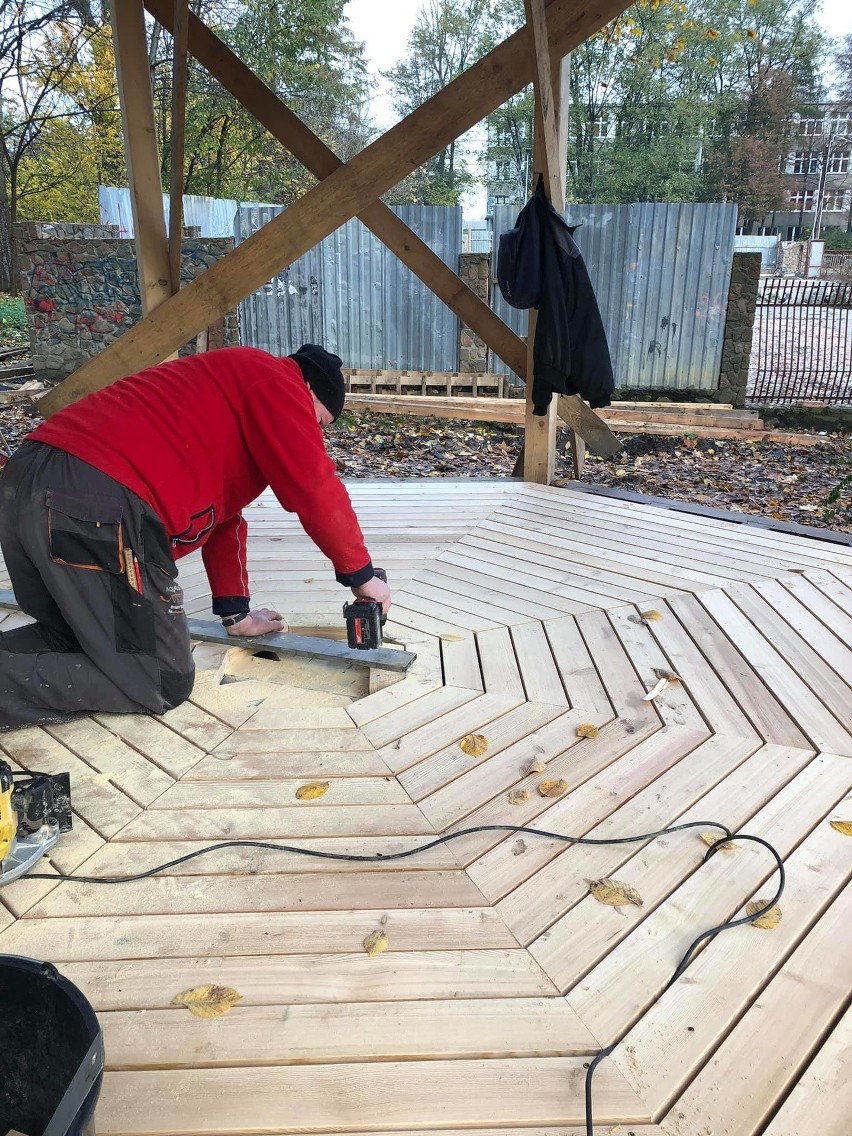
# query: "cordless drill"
364,621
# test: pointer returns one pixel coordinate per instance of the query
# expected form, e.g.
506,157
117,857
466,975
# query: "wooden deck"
503,974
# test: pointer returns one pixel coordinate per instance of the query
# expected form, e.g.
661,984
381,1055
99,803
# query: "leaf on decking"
770,918
842,826
474,745
614,893
712,838
552,788
536,766
208,1001
312,790
518,796
376,943
587,730
451,638
651,616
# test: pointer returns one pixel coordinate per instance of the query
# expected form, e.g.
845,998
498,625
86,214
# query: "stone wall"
63,230
475,271
81,294
739,327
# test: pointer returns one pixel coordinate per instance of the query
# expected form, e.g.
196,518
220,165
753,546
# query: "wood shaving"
657,690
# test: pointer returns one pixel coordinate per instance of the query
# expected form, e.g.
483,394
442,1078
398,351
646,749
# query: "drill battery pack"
364,621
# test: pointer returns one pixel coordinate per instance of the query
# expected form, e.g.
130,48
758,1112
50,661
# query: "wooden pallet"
426,383
531,611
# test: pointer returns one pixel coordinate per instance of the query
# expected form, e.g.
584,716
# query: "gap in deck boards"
313,679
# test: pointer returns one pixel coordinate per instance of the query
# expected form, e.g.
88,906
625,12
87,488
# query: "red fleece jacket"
201,437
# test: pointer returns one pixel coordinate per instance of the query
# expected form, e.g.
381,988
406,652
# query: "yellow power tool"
35,808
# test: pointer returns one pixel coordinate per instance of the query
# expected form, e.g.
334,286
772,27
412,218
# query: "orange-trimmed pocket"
84,532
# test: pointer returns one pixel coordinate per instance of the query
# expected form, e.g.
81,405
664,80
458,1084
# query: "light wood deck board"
502,976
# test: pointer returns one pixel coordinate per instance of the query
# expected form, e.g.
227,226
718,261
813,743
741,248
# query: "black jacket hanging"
539,266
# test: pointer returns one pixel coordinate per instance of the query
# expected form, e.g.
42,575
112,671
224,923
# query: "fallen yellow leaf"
376,943
208,1001
587,730
614,893
711,838
451,638
770,918
474,745
651,615
312,790
518,796
552,788
843,826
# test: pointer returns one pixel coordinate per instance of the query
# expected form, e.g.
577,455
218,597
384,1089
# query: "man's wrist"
233,620
225,606
355,579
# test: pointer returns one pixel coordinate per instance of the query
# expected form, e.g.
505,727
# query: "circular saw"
35,809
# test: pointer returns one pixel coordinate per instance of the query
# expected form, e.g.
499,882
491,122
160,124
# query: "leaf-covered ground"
787,482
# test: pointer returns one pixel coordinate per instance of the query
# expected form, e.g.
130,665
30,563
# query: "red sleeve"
224,555
286,443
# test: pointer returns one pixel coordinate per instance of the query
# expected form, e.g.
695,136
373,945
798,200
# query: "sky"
385,25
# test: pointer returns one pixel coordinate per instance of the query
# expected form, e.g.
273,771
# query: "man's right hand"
263,621
374,589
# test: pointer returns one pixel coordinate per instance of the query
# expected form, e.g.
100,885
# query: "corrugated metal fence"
351,294
661,273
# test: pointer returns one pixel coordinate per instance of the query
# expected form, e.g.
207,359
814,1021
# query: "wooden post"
141,152
549,159
177,142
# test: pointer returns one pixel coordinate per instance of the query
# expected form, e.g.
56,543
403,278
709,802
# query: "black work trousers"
92,564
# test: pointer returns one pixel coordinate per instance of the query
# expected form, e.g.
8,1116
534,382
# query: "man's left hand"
260,622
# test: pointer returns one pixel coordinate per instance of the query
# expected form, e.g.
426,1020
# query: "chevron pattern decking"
532,611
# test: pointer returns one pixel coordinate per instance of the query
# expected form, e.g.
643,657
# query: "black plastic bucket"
51,1052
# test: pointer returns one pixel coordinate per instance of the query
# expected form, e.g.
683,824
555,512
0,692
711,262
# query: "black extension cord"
504,828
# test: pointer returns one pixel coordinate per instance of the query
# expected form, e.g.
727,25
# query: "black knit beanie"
323,375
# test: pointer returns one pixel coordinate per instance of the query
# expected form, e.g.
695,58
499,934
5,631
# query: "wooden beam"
141,153
550,111
550,159
177,142
321,160
342,195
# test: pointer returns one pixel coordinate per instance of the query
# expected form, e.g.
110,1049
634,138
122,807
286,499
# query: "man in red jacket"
99,502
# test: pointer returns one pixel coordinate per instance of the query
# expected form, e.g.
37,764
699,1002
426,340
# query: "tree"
31,100
304,51
655,93
448,36
843,69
